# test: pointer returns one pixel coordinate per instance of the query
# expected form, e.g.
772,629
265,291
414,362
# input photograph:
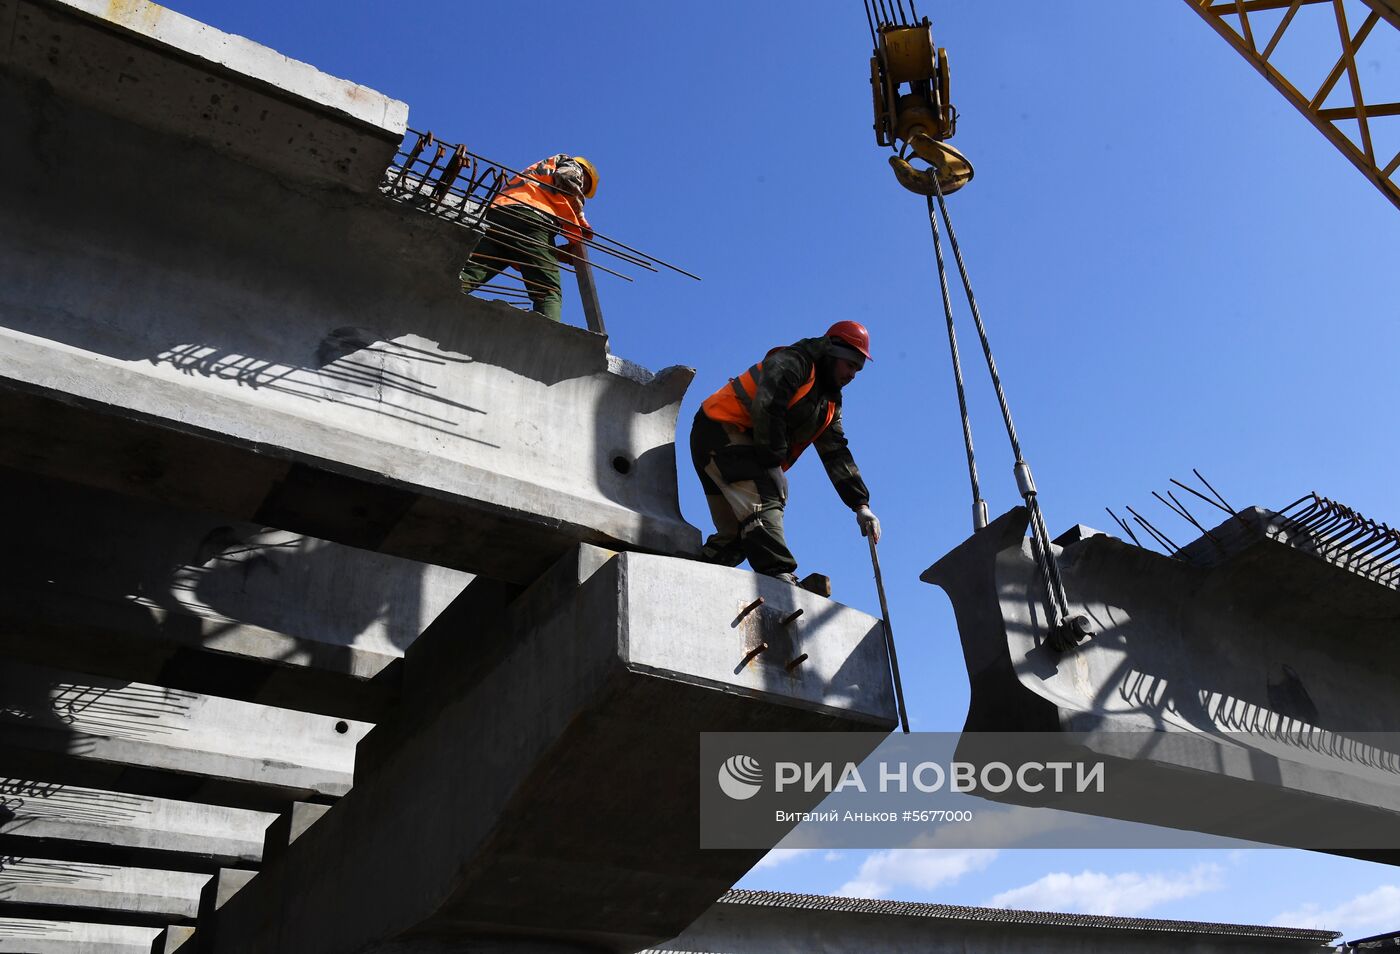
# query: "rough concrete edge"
885,722
226,52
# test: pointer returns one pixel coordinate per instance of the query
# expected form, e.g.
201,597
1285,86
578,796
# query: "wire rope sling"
913,116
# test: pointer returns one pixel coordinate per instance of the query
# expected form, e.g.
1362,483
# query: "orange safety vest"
733,404
524,190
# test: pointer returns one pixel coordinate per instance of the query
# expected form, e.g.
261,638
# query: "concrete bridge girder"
59,819
91,729
198,327
44,936
1250,687
198,602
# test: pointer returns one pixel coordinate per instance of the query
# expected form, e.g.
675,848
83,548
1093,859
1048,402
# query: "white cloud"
781,856
1373,912
1093,892
924,869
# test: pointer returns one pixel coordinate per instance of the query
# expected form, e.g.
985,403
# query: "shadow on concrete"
131,589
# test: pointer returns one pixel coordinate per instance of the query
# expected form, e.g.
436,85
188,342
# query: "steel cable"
979,506
1058,601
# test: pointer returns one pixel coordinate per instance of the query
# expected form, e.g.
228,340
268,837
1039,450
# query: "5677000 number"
937,815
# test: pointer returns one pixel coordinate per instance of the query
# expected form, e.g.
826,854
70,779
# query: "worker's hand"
779,478
869,523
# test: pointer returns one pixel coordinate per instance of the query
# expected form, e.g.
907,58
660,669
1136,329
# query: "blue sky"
1176,269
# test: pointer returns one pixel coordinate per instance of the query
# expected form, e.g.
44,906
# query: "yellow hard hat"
592,171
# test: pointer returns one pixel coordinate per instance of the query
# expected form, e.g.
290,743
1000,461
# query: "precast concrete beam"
205,604
550,793
153,66
95,728
85,824
42,936
1246,687
77,889
193,328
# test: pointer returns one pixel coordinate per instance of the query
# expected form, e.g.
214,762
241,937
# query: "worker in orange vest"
530,210
749,432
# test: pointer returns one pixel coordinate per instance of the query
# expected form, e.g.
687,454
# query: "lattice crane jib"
1350,120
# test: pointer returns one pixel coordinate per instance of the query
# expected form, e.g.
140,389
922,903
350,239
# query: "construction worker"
749,432
530,210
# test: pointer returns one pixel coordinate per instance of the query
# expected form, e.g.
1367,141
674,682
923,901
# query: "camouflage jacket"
779,429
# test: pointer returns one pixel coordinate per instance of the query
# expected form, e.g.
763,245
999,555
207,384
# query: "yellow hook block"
951,167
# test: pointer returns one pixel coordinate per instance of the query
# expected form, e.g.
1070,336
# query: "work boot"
786,578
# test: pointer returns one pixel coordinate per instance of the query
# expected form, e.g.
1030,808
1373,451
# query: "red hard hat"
852,333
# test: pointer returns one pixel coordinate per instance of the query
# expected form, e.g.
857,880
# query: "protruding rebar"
1164,540
1214,491
1127,529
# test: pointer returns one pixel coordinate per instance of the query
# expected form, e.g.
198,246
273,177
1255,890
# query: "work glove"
869,523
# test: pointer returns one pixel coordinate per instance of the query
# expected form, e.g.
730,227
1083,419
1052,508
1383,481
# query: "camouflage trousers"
520,238
746,500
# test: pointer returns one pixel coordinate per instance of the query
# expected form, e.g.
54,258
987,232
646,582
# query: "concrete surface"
772,922
206,604
1251,695
290,826
45,814
195,329
40,936
96,725
175,937
551,790
78,889
144,62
